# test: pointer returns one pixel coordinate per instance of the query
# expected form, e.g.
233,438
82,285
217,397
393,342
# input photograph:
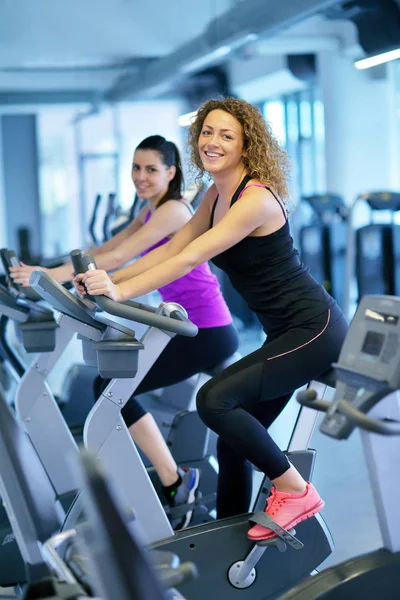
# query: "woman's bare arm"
244,218
198,224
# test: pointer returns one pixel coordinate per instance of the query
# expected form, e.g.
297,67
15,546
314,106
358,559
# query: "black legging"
182,358
243,401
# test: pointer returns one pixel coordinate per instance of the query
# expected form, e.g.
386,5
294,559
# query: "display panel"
373,343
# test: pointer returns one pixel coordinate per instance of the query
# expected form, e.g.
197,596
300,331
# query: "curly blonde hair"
264,159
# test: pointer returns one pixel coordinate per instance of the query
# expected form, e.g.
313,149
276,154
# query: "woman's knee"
211,402
204,402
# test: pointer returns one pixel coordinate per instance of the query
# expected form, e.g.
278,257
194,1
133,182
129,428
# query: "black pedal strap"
261,518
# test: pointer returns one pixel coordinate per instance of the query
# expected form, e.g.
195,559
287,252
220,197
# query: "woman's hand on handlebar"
97,282
22,274
78,285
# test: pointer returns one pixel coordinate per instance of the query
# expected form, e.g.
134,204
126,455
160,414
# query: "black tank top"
266,271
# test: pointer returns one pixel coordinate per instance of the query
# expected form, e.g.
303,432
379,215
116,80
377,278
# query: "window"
298,122
58,181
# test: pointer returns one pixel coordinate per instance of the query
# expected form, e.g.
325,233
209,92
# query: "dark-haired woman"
158,179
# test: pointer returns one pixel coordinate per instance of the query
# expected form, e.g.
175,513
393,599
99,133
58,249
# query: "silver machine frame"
38,409
382,455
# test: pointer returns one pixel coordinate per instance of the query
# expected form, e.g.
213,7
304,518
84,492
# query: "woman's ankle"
168,477
298,490
290,482
174,485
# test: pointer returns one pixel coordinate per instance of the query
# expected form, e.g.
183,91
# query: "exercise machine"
220,549
40,413
109,216
368,380
323,242
29,500
154,341
117,565
93,219
102,222
48,337
77,395
32,507
373,250
189,440
186,435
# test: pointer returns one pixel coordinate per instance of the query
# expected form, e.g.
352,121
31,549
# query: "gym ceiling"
114,50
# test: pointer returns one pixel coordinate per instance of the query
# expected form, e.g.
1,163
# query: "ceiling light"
378,59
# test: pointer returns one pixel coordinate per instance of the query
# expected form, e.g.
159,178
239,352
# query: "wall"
261,77
20,178
3,229
360,131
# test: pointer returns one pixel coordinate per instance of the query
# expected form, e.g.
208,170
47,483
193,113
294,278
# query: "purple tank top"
198,292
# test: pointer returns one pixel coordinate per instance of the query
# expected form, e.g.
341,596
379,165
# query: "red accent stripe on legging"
306,344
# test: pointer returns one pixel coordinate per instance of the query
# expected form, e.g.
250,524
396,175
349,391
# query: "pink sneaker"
288,510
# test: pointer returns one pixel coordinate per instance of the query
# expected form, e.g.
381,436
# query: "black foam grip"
9,259
77,262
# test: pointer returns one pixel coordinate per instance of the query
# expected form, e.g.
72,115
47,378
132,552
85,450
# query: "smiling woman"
242,226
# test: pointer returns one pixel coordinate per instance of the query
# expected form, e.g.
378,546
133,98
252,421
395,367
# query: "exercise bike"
368,380
32,506
48,336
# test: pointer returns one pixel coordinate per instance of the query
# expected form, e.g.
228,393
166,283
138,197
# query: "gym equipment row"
322,242
188,439
367,373
352,261
187,436
39,336
373,251
115,219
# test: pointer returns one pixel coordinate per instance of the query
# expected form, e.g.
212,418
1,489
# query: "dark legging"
182,358
242,402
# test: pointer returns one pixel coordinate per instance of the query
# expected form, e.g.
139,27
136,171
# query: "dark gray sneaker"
184,493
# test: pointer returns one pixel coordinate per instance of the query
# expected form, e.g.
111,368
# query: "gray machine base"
215,548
